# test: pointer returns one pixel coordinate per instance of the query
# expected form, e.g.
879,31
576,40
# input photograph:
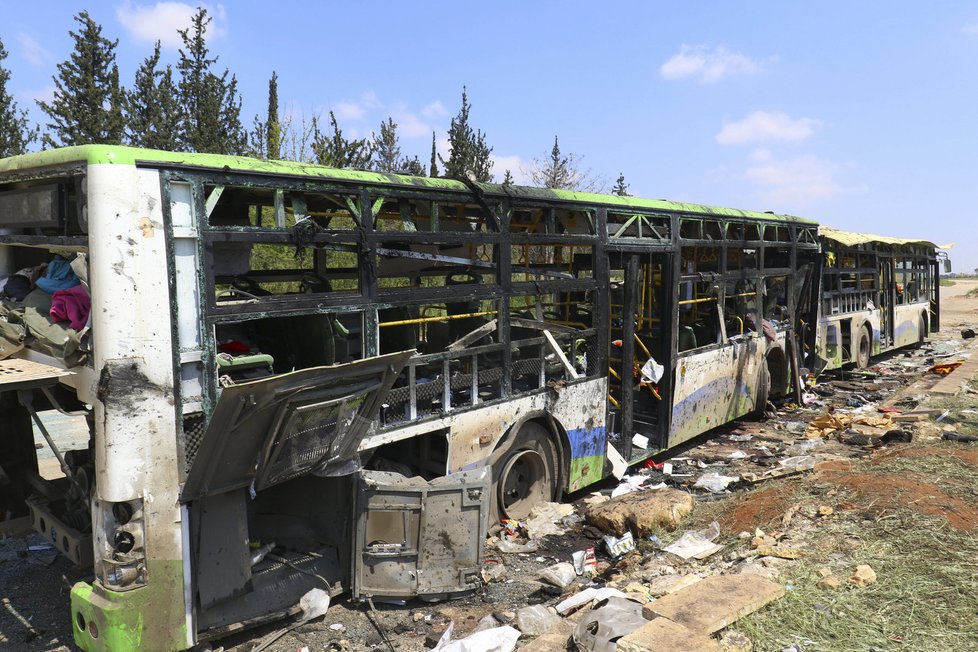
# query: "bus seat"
687,338
705,333
297,342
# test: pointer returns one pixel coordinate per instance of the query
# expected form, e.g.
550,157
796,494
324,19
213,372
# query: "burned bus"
298,377
878,294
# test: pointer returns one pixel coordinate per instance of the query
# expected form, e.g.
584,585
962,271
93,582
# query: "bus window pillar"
629,307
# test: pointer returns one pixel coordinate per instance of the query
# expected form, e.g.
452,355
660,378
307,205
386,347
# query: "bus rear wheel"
863,349
525,473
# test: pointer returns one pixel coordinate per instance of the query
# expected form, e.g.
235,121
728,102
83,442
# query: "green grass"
946,283
925,597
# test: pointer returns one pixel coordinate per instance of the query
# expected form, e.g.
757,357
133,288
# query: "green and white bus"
878,294
299,377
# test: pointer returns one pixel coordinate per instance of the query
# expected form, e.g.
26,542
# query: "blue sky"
861,115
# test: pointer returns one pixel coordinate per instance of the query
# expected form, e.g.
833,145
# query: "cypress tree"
88,101
469,155
273,127
152,107
15,135
433,167
211,120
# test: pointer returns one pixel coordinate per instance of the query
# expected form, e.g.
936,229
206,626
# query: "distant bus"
298,377
878,294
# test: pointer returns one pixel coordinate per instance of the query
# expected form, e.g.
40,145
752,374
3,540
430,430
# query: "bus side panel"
907,324
579,408
135,429
715,387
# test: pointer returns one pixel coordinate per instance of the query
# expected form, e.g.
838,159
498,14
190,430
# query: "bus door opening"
639,354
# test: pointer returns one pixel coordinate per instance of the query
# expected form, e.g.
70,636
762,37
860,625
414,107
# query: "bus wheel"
525,473
762,392
863,349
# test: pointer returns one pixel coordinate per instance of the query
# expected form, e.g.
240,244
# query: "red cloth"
72,305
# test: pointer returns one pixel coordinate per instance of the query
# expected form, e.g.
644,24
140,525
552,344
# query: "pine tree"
15,135
336,151
433,167
411,166
152,108
386,148
508,178
468,154
88,101
211,120
621,188
562,171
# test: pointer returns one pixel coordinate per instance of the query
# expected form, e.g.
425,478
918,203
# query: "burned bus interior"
467,300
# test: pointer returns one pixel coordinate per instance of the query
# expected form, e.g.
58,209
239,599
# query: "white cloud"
45,94
434,110
357,109
767,126
795,180
707,64
33,51
516,166
160,21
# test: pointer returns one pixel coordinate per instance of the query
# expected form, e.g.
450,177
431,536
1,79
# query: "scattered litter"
798,462
640,441
944,368
505,545
544,517
954,436
560,574
714,482
741,438
497,639
493,573
599,630
967,333
582,598
803,447
618,546
696,543
585,563
535,620
337,627
738,455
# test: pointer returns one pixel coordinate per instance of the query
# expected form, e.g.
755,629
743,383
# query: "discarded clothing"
72,305
16,287
58,276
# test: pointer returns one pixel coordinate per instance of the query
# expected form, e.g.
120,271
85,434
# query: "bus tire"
922,330
524,473
762,393
864,347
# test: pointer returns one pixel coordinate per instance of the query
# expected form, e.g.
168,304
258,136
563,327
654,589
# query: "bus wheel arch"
528,467
924,325
864,346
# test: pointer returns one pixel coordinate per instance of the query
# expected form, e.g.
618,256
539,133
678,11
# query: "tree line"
196,107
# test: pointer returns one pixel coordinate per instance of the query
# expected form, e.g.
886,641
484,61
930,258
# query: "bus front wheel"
863,348
524,473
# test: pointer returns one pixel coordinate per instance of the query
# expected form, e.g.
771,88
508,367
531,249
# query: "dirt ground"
860,504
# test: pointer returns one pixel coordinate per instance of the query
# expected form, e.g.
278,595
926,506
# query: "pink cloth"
71,305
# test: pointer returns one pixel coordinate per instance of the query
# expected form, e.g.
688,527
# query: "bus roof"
851,239
123,155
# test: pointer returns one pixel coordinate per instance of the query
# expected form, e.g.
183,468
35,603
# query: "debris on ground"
641,512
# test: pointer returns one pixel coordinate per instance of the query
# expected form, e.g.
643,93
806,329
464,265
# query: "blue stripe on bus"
587,442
